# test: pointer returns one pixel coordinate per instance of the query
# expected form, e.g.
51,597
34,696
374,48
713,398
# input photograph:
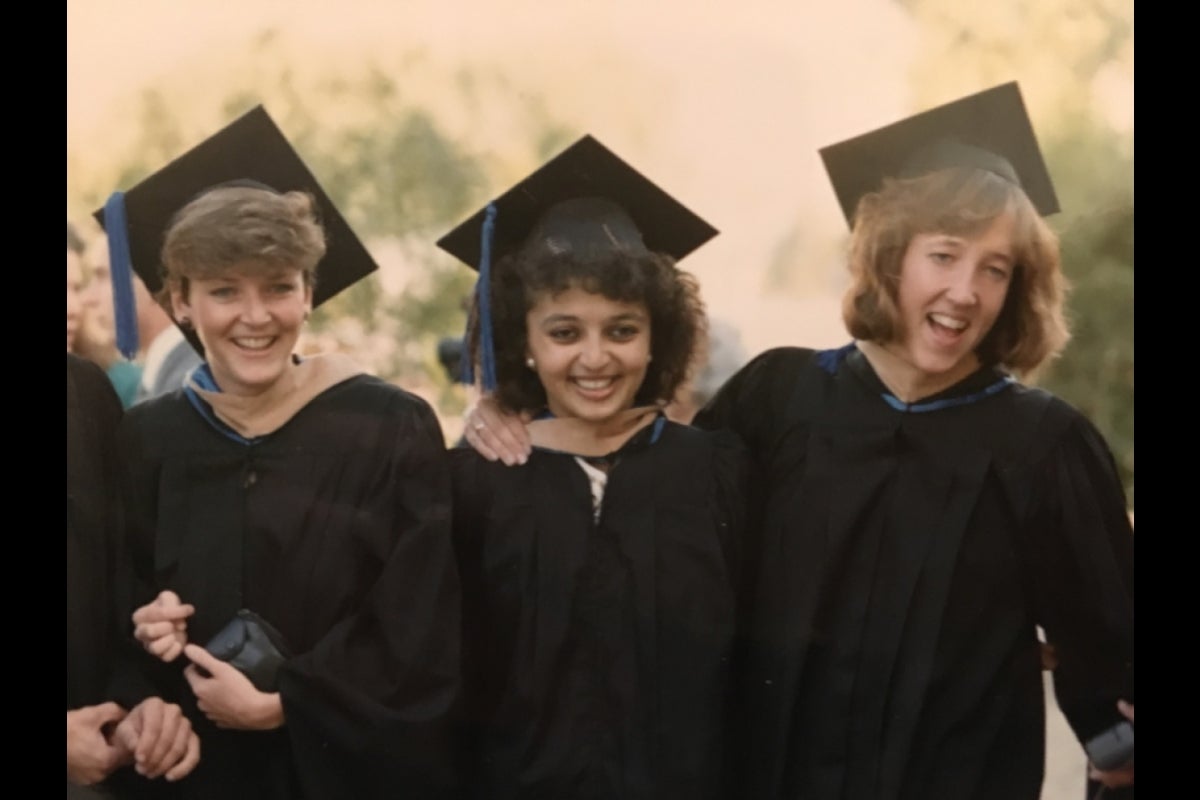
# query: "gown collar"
249,420
979,385
567,436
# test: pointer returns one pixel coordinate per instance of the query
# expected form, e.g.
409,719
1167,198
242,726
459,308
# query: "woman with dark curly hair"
669,295
599,577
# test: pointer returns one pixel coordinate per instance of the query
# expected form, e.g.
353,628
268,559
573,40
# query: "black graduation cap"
585,201
250,150
989,130
601,186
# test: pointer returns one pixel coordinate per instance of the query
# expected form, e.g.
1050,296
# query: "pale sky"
723,103
726,110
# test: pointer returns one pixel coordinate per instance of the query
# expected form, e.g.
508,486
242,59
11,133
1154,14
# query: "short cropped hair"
241,225
670,295
1031,328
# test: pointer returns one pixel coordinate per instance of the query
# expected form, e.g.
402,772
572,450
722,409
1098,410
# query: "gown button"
251,479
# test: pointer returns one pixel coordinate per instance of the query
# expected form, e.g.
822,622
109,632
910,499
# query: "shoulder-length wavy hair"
241,226
670,295
1031,328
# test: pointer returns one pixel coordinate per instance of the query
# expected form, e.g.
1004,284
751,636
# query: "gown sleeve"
1082,568
471,499
755,399
93,528
138,675
374,696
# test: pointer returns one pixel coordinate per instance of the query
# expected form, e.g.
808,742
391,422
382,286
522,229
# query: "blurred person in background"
167,356
721,356
96,340
164,356
74,286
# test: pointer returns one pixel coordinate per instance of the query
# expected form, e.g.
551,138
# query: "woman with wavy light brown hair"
932,512
924,512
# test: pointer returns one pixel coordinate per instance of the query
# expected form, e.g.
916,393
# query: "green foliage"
399,165
395,172
159,139
1095,374
395,175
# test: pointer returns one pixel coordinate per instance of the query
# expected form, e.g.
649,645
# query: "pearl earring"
529,362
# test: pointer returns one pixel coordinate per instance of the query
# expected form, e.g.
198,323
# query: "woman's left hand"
227,697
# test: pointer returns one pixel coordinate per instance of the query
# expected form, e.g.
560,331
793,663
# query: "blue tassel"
121,270
483,302
466,370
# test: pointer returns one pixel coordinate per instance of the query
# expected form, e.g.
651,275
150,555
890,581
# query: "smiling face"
248,318
590,352
952,288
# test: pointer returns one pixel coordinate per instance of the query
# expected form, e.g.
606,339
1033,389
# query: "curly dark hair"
671,296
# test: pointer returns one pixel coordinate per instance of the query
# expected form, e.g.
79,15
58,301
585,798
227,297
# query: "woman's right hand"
161,626
159,740
496,434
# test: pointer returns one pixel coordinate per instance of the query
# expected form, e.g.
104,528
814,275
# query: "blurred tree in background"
406,148
1073,58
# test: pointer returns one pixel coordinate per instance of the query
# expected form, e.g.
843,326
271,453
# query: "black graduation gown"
93,412
95,605
906,556
597,653
336,529
94,547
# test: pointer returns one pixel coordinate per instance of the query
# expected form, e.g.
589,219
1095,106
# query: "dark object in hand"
1113,748
254,647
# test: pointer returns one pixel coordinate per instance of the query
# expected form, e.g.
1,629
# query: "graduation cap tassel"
121,269
466,367
483,302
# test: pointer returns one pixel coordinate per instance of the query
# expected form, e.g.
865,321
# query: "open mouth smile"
947,328
254,343
947,324
593,384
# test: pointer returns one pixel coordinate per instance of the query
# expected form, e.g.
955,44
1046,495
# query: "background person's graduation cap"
251,150
988,130
585,202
